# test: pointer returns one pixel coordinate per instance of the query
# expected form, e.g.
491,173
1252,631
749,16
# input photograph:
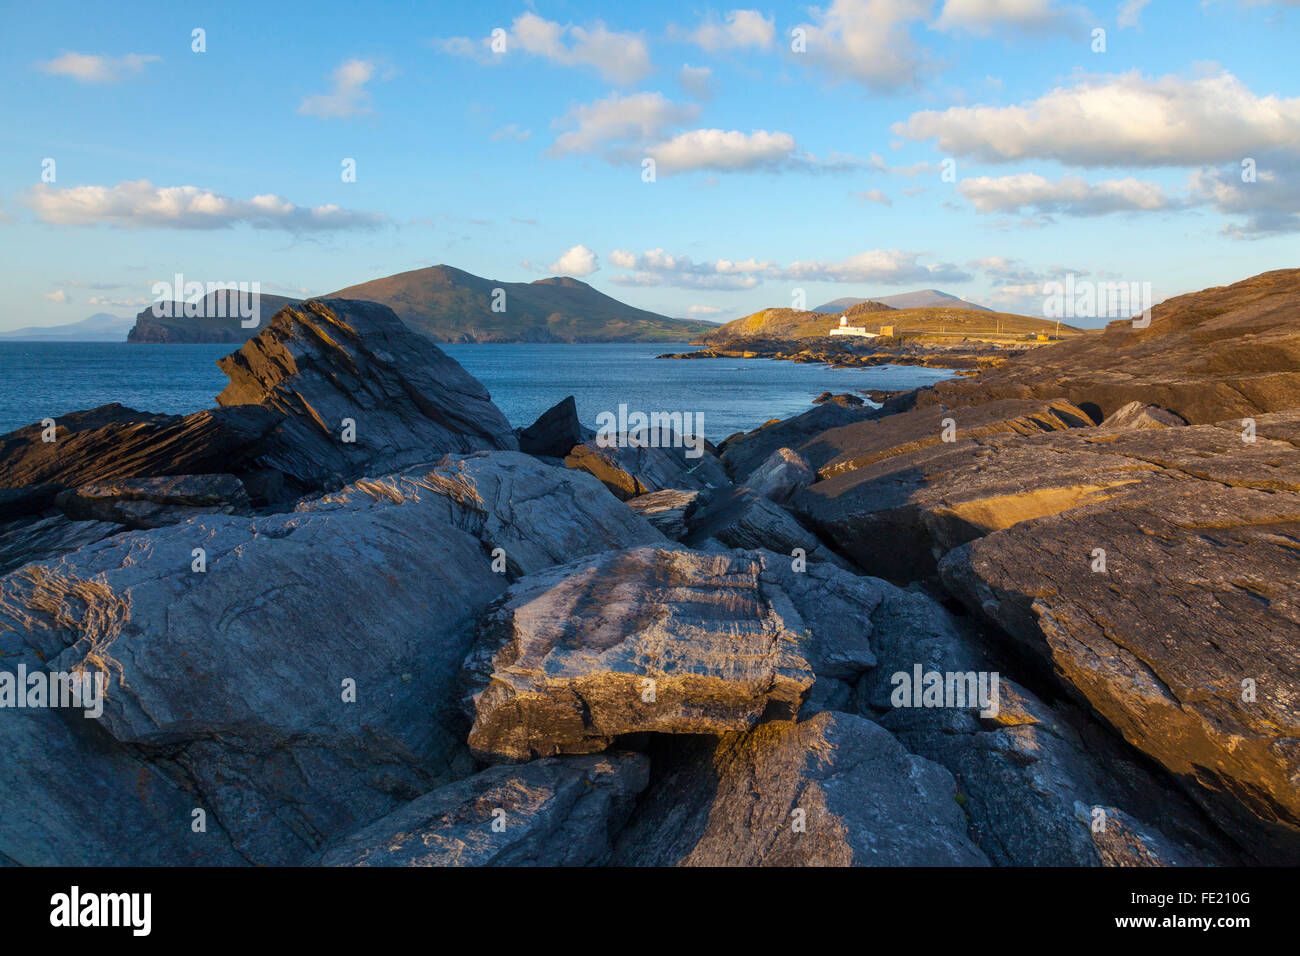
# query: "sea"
41,380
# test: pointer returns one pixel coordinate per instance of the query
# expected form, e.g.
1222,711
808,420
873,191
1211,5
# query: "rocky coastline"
354,618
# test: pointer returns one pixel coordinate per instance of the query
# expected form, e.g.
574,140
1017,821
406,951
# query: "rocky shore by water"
348,616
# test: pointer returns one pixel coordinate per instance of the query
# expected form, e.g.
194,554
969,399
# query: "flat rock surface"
559,811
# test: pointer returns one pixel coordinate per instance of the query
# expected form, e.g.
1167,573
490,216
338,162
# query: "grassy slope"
452,306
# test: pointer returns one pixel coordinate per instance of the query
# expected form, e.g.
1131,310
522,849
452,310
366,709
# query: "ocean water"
47,379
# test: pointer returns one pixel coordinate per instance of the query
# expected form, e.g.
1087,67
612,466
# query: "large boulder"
629,466
744,453
550,812
329,391
1169,609
739,518
555,432
833,790
666,510
300,670
660,640
153,502
784,473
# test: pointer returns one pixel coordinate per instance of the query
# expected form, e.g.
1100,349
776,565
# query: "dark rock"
833,790
666,510
550,812
554,433
153,502
630,470
783,474
237,679
846,399
745,453
43,538
739,518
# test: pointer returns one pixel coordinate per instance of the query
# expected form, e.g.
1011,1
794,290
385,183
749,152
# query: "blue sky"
776,170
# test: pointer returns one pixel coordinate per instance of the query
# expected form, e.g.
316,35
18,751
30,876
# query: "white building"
858,330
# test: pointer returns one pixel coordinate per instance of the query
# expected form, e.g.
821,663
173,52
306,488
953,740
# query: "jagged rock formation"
555,432
265,681
631,467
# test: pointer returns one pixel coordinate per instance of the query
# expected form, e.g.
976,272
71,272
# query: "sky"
692,160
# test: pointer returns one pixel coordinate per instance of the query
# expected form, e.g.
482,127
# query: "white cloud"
577,261
621,58
1069,195
741,28
883,266
1271,204
981,16
97,68
703,310
1120,120
878,163
874,195
723,150
104,302
141,204
1129,13
349,96
59,296
697,81
639,118
866,41
512,132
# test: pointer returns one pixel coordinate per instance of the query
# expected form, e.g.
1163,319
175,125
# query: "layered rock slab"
1186,640
558,811
832,790
264,680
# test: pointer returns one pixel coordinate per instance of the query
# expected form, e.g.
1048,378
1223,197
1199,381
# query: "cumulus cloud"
58,296
982,16
727,150
866,41
141,204
639,118
1120,120
98,68
883,266
1069,195
577,261
1265,190
621,58
348,97
697,81
703,310
739,29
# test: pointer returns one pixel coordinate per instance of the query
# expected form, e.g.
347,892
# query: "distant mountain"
790,324
451,305
921,299
100,327
218,322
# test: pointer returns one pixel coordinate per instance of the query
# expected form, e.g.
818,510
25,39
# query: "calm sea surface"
48,379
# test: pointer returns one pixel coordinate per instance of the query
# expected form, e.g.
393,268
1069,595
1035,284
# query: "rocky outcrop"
1169,610
555,432
154,502
900,492
743,453
833,790
298,671
330,390
550,812
1230,352
846,399
1137,415
783,474
40,538
739,518
329,362
630,467
666,510
668,641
